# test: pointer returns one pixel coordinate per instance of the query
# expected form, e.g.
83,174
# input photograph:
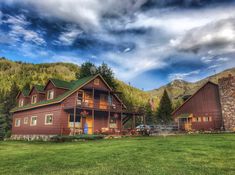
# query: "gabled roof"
208,82
60,83
25,93
75,85
39,88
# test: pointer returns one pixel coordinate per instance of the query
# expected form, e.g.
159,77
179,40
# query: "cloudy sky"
147,42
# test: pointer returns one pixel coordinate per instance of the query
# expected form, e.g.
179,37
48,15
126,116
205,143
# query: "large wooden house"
88,105
201,111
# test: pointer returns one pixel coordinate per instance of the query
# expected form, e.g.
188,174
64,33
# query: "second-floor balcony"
98,104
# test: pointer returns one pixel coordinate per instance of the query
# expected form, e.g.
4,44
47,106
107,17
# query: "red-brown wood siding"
40,96
205,103
22,97
40,128
57,91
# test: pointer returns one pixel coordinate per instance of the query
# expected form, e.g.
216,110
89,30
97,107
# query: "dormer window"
50,94
21,102
34,99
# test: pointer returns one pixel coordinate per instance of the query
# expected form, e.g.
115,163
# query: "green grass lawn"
189,154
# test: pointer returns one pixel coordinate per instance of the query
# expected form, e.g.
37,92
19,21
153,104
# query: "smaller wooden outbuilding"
201,111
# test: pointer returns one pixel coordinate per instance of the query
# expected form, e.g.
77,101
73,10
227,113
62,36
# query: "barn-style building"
87,105
201,111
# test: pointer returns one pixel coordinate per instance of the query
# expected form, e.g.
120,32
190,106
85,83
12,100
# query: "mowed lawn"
188,154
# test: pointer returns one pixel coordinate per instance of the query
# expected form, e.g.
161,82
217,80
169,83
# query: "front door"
89,122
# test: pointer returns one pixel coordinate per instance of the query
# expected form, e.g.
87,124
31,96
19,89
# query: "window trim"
97,81
17,119
53,94
31,120
32,102
45,121
21,102
27,120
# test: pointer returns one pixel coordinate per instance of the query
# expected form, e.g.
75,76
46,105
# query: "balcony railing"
97,104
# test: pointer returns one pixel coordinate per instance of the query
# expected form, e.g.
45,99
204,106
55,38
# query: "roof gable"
38,88
59,83
24,92
208,82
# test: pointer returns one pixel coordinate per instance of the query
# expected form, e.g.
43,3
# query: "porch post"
121,119
133,121
178,124
109,111
93,111
74,112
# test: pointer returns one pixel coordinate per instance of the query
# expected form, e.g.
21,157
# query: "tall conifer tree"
164,111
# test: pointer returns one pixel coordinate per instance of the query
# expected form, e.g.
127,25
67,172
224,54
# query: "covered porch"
184,122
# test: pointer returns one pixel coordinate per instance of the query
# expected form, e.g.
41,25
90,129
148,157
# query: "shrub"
75,138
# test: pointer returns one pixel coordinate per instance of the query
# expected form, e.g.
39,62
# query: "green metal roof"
60,83
25,92
74,85
39,88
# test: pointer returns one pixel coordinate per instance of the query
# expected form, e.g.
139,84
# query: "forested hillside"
25,73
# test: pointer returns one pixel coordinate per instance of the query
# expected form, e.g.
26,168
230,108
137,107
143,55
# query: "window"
33,121
77,121
96,81
17,122
50,94
34,99
21,102
48,119
197,119
26,119
113,121
207,119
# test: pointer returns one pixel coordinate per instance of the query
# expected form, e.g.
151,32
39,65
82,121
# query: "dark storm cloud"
150,4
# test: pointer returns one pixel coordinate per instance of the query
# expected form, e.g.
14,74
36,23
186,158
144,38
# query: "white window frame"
53,93
32,120
21,102
46,119
27,120
17,124
32,102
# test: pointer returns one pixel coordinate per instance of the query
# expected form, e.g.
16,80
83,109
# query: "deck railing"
97,104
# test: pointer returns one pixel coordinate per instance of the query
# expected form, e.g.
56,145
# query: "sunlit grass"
191,154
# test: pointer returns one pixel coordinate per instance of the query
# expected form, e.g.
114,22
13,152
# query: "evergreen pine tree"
107,73
87,69
9,102
164,111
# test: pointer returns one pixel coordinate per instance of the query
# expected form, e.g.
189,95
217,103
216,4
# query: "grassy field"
189,154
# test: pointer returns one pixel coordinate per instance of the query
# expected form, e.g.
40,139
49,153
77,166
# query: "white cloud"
69,36
184,75
19,29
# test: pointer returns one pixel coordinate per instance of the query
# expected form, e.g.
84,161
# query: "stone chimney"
227,100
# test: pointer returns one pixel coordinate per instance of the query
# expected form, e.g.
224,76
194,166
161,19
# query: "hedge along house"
201,111
87,105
